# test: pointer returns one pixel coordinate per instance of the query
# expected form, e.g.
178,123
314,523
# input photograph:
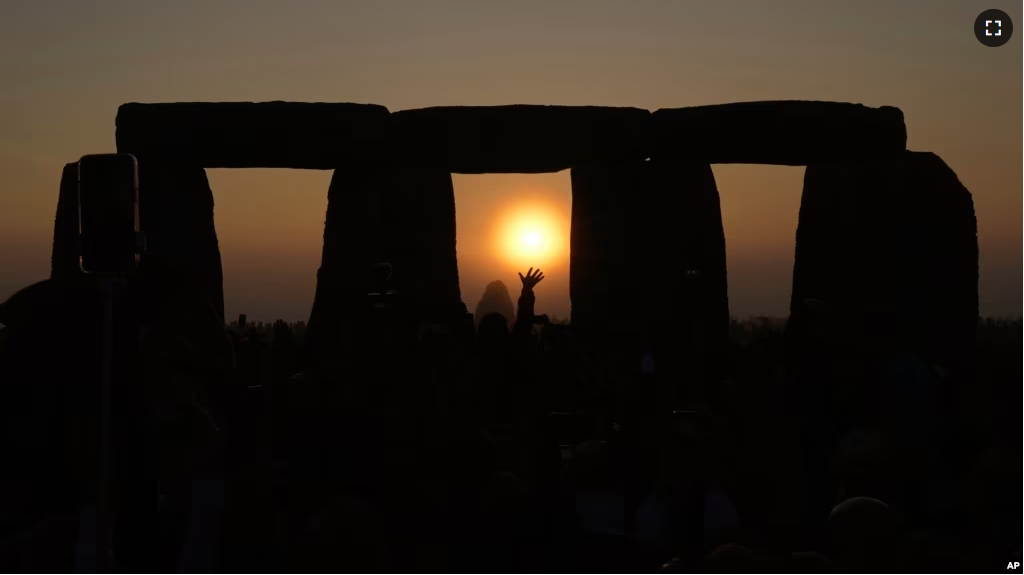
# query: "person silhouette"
494,312
502,352
495,301
527,299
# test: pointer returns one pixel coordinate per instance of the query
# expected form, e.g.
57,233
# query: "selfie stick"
104,539
111,286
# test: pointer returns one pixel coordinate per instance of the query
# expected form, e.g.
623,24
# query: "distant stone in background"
64,259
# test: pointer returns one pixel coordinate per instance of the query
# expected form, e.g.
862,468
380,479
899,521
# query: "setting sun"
531,235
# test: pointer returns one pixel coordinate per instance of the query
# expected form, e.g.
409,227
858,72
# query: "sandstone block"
784,132
520,138
254,135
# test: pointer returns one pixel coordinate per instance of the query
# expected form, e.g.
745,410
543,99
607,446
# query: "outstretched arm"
524,315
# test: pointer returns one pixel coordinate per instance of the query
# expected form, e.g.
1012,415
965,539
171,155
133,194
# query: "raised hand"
532,278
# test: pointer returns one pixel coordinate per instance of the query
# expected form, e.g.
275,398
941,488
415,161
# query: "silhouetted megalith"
174,142
348,251
255,135
784,132
418,213
520,138
600,240
64,258
403,216
698,269
495,139
891,247
647,247
176,214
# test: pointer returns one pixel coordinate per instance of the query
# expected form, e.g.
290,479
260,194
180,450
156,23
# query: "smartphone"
108,208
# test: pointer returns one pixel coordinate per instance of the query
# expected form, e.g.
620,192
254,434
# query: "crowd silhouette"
514,446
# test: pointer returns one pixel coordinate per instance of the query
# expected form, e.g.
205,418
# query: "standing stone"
607,246
418,209
891,247
176,214
350,232
699,267
647,266
64,259
886,268
399,215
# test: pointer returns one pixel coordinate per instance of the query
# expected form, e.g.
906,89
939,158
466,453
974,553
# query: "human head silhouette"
861,531
493,329
496,300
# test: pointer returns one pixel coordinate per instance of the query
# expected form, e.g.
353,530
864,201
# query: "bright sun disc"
530,236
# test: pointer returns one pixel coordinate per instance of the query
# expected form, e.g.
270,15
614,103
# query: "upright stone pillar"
647,265
404,216
605,251
886,270
176,214
418,208
890,247
64,259
350,231
699,269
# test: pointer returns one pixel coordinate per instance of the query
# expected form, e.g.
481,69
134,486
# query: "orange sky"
65,67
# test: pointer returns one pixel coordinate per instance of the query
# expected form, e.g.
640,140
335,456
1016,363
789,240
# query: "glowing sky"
66,65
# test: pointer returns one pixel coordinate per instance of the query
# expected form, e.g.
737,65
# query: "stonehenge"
880,227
